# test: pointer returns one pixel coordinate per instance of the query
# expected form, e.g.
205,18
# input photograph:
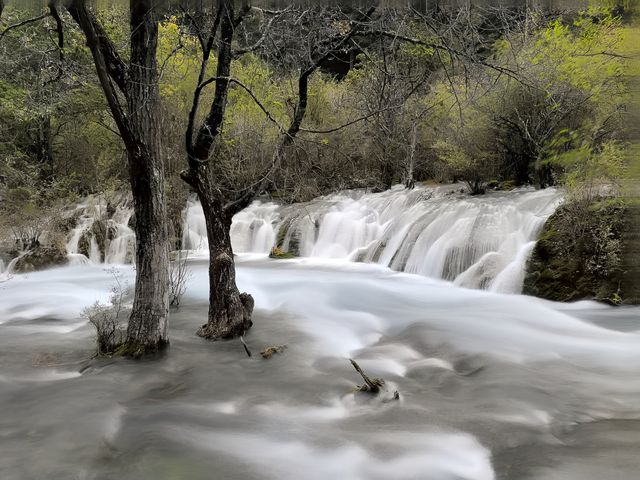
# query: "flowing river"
491,385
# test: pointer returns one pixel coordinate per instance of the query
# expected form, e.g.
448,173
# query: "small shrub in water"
179,273
106,318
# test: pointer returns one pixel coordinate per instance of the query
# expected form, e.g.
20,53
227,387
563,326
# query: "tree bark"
147,330
229,310
140,131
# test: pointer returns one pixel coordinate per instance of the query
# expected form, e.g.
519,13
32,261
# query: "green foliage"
590,173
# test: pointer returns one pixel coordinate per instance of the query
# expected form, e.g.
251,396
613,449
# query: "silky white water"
476,242
492,386
120,238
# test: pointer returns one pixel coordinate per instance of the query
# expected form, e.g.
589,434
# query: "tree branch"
206,53
251,94
53,10
95,37
303,80
114,65
451,51
23,23
210,128
261,40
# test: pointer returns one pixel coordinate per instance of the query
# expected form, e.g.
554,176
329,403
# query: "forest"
217,217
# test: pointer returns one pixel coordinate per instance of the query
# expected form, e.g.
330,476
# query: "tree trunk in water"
229,310
147,330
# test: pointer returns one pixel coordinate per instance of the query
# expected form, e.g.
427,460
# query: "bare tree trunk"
409,181
147,330
140,131
229,310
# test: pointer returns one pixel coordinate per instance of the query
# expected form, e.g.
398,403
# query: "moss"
139,350
276,252
578,253
282,234
508,185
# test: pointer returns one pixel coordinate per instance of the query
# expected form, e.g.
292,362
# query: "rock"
578,254
271,351
111,209
67,222
84,244
276,252
100,232
40,258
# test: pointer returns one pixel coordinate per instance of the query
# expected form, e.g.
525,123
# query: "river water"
492,386
418,286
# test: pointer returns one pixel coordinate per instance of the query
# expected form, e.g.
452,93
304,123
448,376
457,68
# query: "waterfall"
475,242
6,271
252,230
119,239
121,247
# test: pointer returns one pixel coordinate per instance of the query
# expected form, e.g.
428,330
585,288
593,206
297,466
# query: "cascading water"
475,242
122,246
252,230
119,238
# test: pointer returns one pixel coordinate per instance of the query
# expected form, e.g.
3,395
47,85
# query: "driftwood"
371,385
246,347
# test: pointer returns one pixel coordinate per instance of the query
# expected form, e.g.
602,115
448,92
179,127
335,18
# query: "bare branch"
114,65
353,122
23,23
206,53
96,39
251,94
264,36
303,80
445,48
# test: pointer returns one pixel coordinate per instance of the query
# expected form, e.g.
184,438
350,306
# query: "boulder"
40,258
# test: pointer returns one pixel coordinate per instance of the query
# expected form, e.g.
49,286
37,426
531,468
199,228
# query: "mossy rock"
578,253
289,245
40,258
84,243
67,222
280,254
100,232
507,185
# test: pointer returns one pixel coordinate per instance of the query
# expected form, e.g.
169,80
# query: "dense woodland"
232,102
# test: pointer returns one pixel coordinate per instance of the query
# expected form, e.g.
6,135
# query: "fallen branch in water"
371,385
246,348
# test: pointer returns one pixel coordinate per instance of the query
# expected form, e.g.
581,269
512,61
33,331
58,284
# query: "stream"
491,385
